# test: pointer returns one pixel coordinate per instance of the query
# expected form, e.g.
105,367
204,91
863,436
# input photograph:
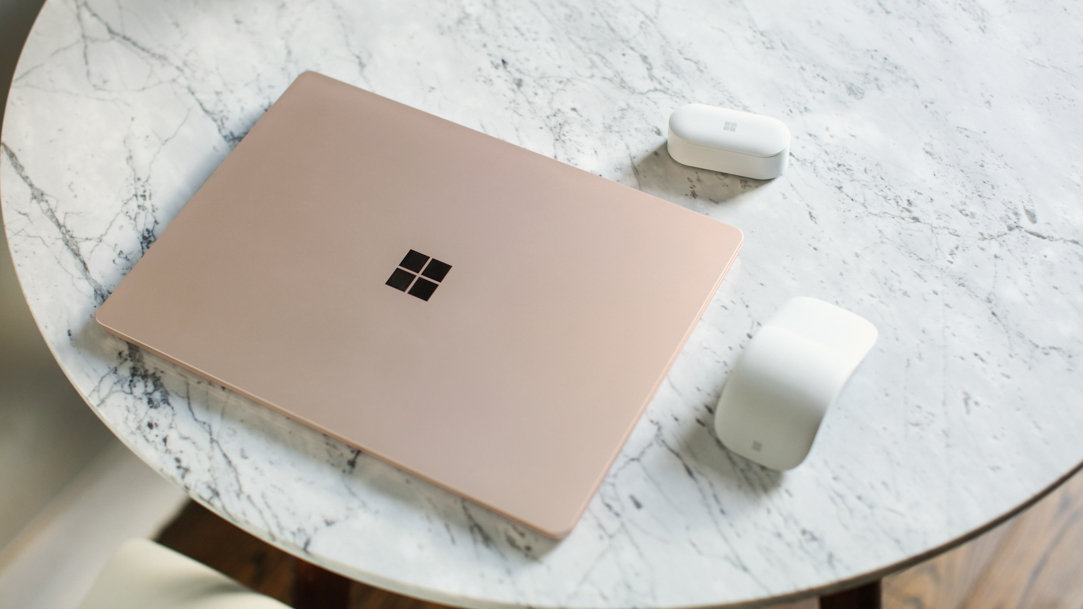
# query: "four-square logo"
406,279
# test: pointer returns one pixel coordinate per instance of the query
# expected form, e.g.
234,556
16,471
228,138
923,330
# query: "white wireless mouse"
786,379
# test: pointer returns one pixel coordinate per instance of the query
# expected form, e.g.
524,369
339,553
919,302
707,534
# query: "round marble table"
934,187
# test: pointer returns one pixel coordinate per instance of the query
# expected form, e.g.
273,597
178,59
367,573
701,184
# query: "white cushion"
144,575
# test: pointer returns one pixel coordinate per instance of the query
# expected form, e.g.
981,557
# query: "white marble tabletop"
935,188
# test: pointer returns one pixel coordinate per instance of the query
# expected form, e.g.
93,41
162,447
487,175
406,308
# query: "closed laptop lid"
485,317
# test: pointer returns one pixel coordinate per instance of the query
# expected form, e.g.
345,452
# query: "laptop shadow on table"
457,517
658,174
166,388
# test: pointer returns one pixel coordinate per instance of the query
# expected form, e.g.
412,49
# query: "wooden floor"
1034,561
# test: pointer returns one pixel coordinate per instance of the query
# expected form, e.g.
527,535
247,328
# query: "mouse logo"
406,279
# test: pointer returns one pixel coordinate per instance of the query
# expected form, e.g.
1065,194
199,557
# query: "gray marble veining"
934,187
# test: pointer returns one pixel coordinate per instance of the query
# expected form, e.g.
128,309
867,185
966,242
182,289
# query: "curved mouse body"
787,378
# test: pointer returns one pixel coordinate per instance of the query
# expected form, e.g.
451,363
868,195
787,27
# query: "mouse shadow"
167,404
731,470
658,174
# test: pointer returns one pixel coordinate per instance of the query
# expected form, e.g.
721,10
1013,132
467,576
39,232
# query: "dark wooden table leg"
318,588
862,597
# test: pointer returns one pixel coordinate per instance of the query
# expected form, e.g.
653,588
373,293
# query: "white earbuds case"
730,141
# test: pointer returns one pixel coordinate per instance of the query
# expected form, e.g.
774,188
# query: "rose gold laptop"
484,317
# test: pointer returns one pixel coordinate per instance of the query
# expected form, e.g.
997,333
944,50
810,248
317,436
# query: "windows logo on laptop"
405,277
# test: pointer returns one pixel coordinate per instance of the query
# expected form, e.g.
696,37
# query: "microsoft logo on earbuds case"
405,278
